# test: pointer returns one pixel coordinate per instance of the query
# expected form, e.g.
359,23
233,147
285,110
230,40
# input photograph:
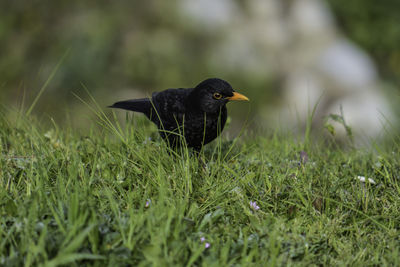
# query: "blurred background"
287,56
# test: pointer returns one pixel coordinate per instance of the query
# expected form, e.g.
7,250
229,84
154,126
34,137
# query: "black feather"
142,105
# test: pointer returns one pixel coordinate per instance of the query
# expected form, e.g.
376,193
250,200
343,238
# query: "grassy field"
115,197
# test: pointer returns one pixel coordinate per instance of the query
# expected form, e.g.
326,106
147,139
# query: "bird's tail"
142,105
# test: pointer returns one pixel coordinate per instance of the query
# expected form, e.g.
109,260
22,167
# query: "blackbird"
197,114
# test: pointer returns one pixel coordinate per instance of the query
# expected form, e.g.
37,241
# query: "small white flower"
363,179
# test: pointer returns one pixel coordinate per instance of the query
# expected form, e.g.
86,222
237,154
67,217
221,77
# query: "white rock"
347,65
209,13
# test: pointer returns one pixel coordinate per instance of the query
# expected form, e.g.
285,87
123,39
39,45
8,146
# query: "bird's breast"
197,128
200,130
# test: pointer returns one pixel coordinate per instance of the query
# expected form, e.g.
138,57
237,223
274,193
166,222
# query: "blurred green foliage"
118,44
145,45
35,34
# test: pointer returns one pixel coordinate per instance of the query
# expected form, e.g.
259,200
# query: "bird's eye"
217,96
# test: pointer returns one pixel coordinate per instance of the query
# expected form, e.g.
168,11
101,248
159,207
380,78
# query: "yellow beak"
237,96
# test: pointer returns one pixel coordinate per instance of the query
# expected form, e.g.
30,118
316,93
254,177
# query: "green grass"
112,197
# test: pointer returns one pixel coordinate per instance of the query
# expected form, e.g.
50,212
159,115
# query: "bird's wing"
171,101
171,106
142,105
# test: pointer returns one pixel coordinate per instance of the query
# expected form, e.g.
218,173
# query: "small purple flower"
254,205
207,245
148,202
202,239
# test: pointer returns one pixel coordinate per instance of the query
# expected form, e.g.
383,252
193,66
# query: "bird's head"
212,94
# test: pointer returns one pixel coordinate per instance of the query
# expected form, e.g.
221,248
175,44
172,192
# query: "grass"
112,196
